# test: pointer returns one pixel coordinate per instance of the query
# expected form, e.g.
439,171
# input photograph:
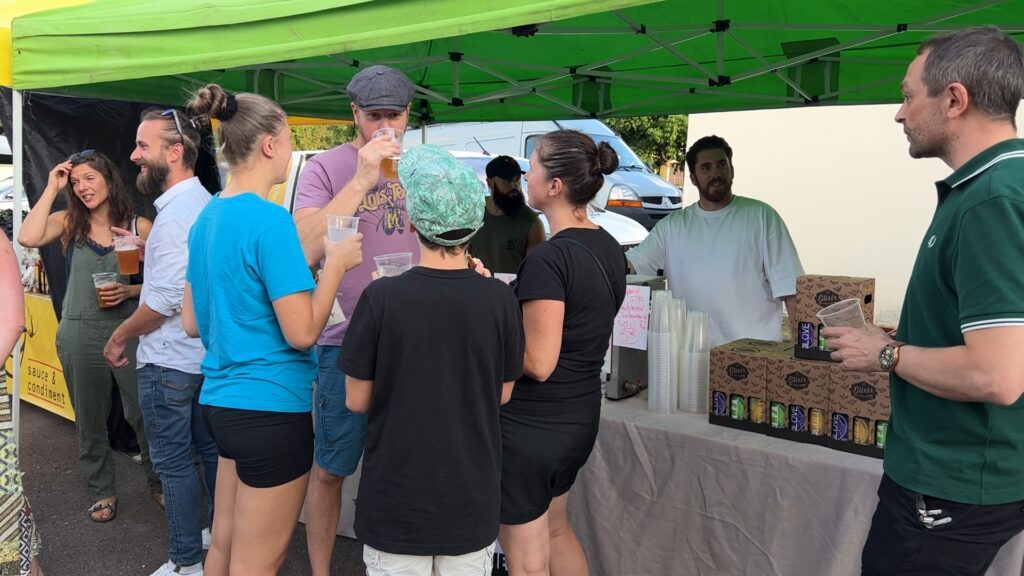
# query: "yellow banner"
42,379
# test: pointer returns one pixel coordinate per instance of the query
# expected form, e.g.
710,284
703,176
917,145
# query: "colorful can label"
817,422
756,410
778,415
881,431
861,431
797,418
737,407
719,404
840,427
805,333
821,338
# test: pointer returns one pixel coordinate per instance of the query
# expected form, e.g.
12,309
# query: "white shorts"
384,564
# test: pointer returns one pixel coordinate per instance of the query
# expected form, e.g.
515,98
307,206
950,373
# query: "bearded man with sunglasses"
166,150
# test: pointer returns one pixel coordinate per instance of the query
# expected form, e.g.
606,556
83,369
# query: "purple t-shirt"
383,222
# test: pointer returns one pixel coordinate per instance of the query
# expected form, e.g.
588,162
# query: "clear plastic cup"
389,166
393,264
127,251
844,314
101,280
341,227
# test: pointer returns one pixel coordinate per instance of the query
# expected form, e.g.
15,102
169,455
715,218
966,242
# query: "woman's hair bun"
607,159
214,102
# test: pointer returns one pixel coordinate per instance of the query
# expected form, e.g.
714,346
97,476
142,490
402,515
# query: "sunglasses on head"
81,155
177,123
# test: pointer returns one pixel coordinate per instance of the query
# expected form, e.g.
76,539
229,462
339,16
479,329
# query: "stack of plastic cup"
678,319
697,360
659,354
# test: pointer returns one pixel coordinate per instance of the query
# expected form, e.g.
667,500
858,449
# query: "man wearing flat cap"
348,181
511,228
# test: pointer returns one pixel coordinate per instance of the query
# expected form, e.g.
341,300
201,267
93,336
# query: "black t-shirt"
438,344
562,270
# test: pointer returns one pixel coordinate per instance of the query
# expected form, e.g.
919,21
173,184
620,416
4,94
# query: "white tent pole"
16,146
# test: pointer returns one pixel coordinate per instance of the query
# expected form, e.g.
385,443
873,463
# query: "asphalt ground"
134,543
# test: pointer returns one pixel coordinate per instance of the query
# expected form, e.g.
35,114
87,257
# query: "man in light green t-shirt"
953,490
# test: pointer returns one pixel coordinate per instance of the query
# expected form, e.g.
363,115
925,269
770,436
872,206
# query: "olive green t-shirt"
969,275
501,243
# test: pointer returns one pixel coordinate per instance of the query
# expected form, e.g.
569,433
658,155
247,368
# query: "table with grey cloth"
675,495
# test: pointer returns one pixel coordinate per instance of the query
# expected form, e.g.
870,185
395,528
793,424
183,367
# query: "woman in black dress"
570,289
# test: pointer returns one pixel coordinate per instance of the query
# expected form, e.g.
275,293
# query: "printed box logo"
797,380
737,371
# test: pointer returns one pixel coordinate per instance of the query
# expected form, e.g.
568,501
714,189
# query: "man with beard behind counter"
511,229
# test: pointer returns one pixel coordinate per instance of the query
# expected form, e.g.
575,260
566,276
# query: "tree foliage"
321,137
656,139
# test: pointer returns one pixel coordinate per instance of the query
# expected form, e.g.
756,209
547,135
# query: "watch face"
885,357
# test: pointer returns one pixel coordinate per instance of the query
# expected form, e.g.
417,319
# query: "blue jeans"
340,434
169,400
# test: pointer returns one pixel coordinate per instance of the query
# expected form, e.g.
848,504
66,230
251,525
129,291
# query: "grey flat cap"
380,88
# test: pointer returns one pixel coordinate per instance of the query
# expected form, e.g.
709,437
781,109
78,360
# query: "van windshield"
628,160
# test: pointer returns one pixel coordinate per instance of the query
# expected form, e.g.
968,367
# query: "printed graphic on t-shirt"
383,208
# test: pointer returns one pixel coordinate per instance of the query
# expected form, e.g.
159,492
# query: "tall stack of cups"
678,340
697,361
659,354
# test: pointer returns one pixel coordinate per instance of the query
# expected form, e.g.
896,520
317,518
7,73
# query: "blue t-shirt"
245,253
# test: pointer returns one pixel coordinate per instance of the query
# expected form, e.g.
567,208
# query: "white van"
625,231
633,190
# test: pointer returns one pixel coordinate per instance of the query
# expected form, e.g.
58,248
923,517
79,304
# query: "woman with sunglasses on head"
251,298
97,200
570,289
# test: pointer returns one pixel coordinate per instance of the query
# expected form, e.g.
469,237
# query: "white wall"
855,203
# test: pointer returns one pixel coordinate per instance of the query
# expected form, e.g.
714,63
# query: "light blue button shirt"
166,260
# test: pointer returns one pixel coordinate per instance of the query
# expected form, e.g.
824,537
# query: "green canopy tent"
497,60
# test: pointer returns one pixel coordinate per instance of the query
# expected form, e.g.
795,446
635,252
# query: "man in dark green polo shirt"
511,229
953,490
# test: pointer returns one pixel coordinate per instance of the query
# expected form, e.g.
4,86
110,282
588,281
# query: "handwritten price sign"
631,322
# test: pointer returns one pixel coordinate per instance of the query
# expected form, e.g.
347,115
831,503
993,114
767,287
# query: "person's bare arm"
312,222
987,368
358,394
188,313
40,227
506,391
542,323
535,236
12,312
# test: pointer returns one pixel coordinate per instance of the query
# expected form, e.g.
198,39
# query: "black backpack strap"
604,274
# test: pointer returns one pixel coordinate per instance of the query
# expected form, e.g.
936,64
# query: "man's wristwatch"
889,357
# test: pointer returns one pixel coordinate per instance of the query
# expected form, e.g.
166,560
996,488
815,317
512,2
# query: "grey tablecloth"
674,495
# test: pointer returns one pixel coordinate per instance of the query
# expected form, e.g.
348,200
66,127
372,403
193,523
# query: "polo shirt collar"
982,161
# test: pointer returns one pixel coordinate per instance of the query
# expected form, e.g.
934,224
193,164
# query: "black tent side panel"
54,127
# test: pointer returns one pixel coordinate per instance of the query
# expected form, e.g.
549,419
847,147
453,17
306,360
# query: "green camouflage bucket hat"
442,194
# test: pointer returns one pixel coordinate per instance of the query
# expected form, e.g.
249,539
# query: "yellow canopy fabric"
11,9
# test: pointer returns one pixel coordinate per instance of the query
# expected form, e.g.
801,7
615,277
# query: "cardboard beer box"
814,292
860,406
798,400
738,382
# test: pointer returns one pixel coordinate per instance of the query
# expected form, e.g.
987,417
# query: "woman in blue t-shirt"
251,298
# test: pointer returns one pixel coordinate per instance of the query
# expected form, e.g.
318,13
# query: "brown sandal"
99,507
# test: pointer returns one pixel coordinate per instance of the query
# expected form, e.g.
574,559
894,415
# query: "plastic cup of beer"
389,166
844,314
127,254
393,264
102,280
341,227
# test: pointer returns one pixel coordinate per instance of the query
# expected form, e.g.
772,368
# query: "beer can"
881,431
861,431
840,427
822,345
778,415
797,418
756,410
805,333
817,422
719,404
737,407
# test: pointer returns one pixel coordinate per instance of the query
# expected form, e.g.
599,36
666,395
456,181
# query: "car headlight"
622,195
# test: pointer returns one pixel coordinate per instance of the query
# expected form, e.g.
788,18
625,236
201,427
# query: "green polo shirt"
969,275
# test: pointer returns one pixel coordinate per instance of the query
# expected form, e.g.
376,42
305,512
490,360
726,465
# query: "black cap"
504,167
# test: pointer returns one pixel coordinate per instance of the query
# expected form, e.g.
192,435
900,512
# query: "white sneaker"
172,569
207,538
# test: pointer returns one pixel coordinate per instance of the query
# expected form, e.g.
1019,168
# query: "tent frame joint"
721,25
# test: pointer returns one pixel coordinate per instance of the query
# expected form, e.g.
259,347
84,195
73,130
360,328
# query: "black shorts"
269,448
541,453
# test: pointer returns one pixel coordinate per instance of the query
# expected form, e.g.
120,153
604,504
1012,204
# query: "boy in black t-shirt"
431,354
